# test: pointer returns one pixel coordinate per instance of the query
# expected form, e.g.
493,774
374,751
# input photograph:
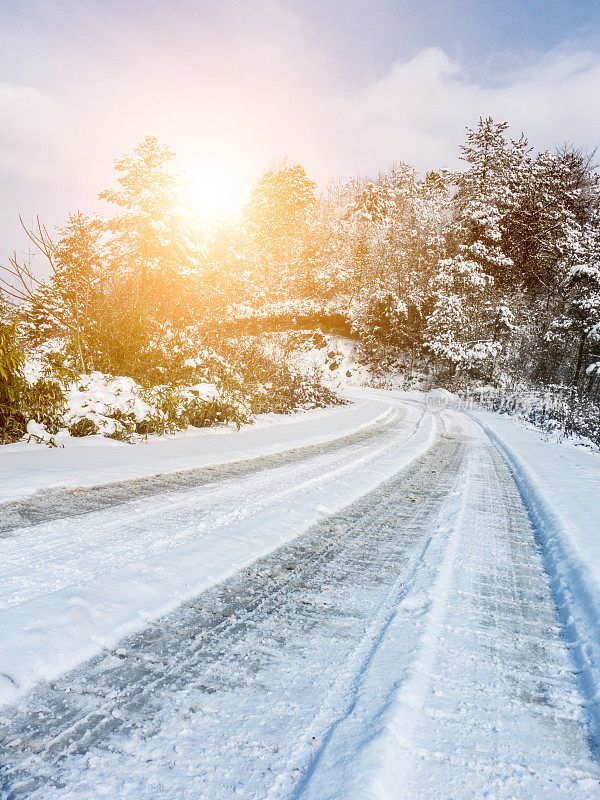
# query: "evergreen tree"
465,329
279,218
150,246
281,202
579,323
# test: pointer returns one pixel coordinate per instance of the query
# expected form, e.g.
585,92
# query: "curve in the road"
406,647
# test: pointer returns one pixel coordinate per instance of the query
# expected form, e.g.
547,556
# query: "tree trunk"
579,358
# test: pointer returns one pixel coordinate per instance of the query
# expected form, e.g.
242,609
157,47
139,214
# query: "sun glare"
214,192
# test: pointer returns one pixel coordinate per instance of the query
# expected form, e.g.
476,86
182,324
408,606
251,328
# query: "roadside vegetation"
483,278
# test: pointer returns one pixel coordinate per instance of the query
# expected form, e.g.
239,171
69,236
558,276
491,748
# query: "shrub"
11,361
12,421
84,427
43,402
262,371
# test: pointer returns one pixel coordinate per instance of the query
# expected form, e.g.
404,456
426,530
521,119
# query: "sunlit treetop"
281,200
151,223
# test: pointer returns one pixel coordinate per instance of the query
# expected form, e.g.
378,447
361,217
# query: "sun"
214,191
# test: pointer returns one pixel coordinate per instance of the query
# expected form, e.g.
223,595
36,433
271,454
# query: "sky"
233,85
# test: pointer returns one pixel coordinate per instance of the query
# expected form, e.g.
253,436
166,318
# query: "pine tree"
554,201
279,217
579,322
150,245
465,327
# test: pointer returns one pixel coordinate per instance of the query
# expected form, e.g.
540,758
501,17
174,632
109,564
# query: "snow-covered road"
405,646
131,551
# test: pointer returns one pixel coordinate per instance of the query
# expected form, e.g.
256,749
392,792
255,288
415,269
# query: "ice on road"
405,646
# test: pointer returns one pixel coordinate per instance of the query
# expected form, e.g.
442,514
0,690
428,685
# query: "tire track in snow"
216,508
328,587
288,681
75,585
55,504
490,704
578,610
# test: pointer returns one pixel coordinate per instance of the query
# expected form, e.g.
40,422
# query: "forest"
143,320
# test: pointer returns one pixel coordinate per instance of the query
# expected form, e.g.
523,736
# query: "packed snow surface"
560,486
404,610
91,460
77,584
565,479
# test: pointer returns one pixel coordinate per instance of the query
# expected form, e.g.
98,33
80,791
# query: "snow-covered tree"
279,219
485,194
390,237
578,323
281,202
150,245
465,327
556,195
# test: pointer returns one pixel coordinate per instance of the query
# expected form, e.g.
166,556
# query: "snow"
204,391
461,656
565,478
560,486
441,398
92,460
118,407
461,709
407,647
97,397
79,584
37,431
337,360
441,395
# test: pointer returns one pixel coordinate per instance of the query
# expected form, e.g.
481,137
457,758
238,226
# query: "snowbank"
560,485
336,358
101,398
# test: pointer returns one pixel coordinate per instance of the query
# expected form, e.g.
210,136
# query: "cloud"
36,138
417,112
